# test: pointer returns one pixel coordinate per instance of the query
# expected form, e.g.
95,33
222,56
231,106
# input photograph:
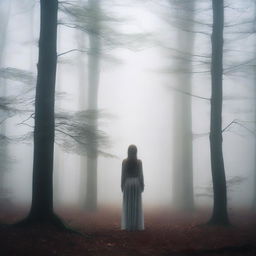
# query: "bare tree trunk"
4,20
93,83
254,81
42,190
219,215
183,191
254,178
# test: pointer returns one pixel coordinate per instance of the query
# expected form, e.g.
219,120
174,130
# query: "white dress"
132,184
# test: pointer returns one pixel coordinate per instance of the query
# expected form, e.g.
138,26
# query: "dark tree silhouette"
5,103
42,191
254,80
219,214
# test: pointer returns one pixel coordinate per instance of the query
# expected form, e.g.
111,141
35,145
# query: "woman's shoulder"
124,161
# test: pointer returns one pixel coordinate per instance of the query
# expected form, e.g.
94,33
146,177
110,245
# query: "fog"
136,97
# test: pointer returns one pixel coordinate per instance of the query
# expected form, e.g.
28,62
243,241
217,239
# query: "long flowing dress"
132,185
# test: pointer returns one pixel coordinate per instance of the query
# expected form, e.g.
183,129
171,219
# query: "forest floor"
166,234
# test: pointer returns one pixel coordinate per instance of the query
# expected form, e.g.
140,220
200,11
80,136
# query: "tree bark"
42,190
219,214
4,20
254,174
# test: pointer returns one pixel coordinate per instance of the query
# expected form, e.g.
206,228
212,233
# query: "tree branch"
69,51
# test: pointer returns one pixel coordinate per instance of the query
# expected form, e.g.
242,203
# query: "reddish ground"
166,234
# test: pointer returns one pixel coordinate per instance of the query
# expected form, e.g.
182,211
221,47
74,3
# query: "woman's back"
132,167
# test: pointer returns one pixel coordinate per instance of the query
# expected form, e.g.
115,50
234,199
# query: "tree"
4,19
254,81
42,188
82,106
219,214
93,83
183,192
88,165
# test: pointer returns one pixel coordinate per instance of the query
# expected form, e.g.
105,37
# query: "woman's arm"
141,176
123,176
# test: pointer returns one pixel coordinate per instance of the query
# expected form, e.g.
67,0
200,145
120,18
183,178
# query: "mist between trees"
175,78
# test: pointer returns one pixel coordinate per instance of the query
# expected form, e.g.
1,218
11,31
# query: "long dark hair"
132,158
132,152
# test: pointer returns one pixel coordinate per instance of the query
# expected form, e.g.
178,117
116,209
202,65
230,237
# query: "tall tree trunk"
183,191
254,84
254,174
93,83
4,20
82,82
42,190
219,214
254,177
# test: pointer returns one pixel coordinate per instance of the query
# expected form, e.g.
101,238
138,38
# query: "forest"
84,81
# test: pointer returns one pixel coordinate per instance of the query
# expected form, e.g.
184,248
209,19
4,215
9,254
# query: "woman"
132,185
